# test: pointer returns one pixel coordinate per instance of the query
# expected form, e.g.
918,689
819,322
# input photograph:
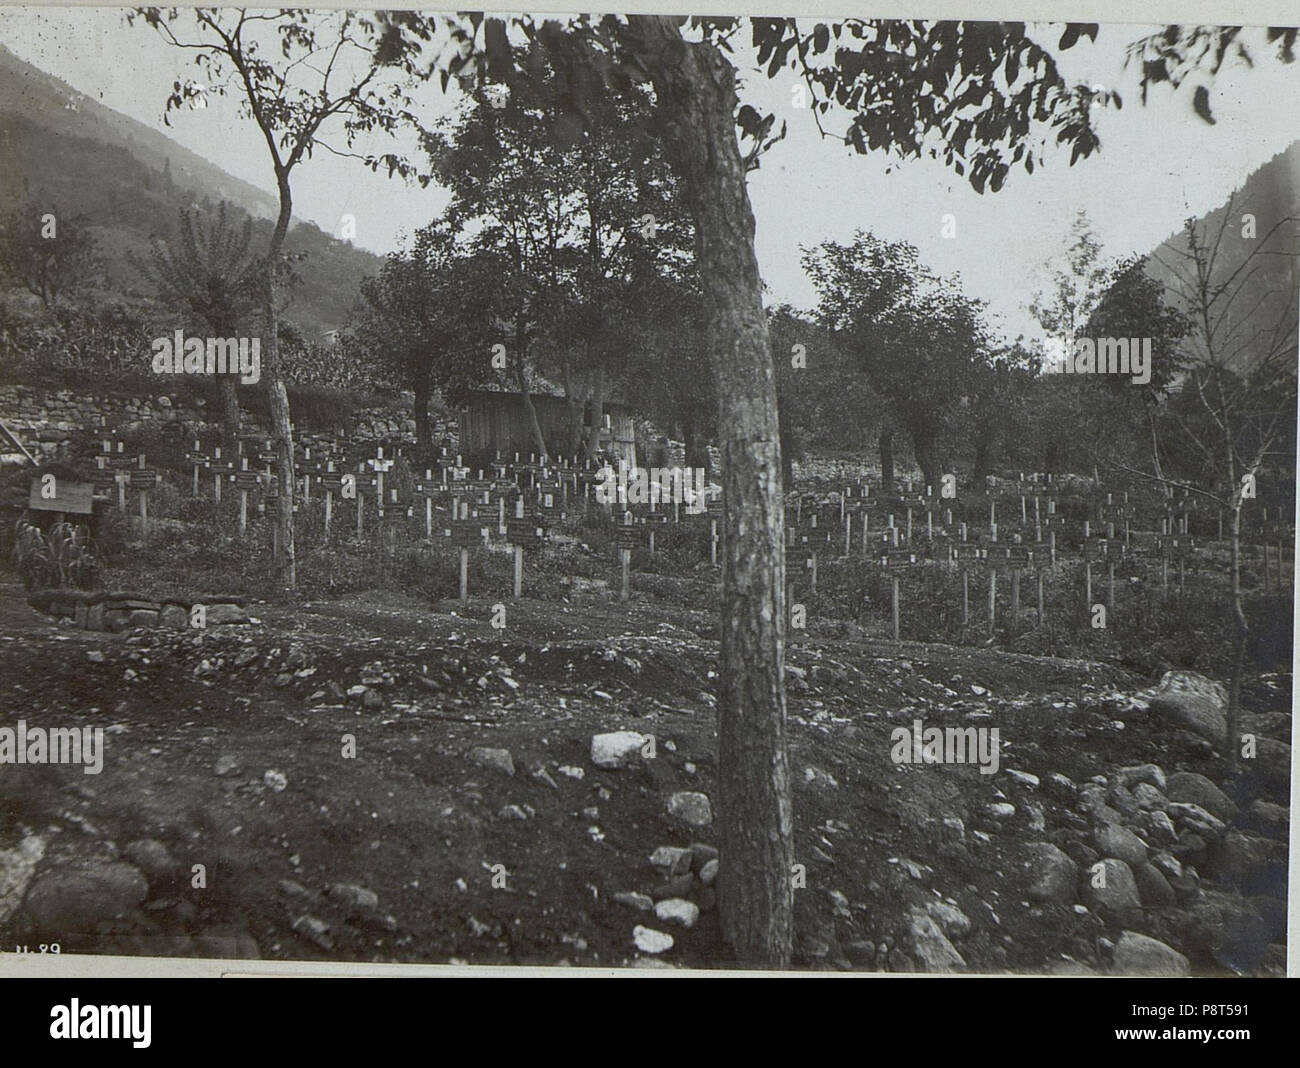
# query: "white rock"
691,807
276,780
648,940
672,860
677,910
617,749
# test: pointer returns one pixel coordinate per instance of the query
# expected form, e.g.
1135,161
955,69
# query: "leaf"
1201,103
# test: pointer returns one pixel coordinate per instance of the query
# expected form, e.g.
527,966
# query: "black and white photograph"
682,492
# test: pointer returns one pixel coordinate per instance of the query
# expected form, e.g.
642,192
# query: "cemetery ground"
226,748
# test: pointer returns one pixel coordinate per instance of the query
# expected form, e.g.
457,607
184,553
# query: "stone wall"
49,418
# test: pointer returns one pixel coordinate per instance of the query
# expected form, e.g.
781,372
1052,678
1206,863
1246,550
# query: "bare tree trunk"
697,451
887,460
1241,629
231,420
695,91
423,392
278,394
597,413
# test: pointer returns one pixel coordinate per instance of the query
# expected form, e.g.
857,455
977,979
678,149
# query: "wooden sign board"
143,479
627,537
75,498
525,532
466,533
248,480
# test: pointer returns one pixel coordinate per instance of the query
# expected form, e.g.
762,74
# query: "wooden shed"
494,421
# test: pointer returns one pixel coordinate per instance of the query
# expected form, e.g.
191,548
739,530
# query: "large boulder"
76,895
1136,954
1193,702
1196,789
1052,875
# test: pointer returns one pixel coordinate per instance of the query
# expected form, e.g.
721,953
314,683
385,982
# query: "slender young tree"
306,80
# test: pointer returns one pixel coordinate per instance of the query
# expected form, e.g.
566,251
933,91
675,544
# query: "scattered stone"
1153,887
1061,787
1148,798
1137,954
648,940
1118,897
571,772
1023,778
496,759
372,699
354,897
512,812
1151,774
1055,874
709,872
930,946
814,776
1167,864
1113,840
1196,818
672,860
1161,827
76,895
642,902
1274,819
544,776
226,764
227,943
676,887
677,910
950,918
618,749
275,780
1001,810
1194,788
1193,702
314,930
1272,762
225,613
151,857
701,854
175,617
1241,859
690,807
17,866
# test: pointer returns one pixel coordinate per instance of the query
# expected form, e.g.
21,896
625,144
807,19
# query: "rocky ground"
376,780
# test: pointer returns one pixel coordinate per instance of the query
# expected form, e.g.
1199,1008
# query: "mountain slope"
1269,198
61,149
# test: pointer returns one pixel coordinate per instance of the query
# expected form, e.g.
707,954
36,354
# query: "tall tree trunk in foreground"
695,92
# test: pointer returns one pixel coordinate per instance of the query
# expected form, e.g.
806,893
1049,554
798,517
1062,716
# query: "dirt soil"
230,747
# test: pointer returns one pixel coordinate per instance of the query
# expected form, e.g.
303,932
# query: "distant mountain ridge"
60,147
1271,195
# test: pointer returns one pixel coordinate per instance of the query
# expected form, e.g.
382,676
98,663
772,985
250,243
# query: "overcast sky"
1158,164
